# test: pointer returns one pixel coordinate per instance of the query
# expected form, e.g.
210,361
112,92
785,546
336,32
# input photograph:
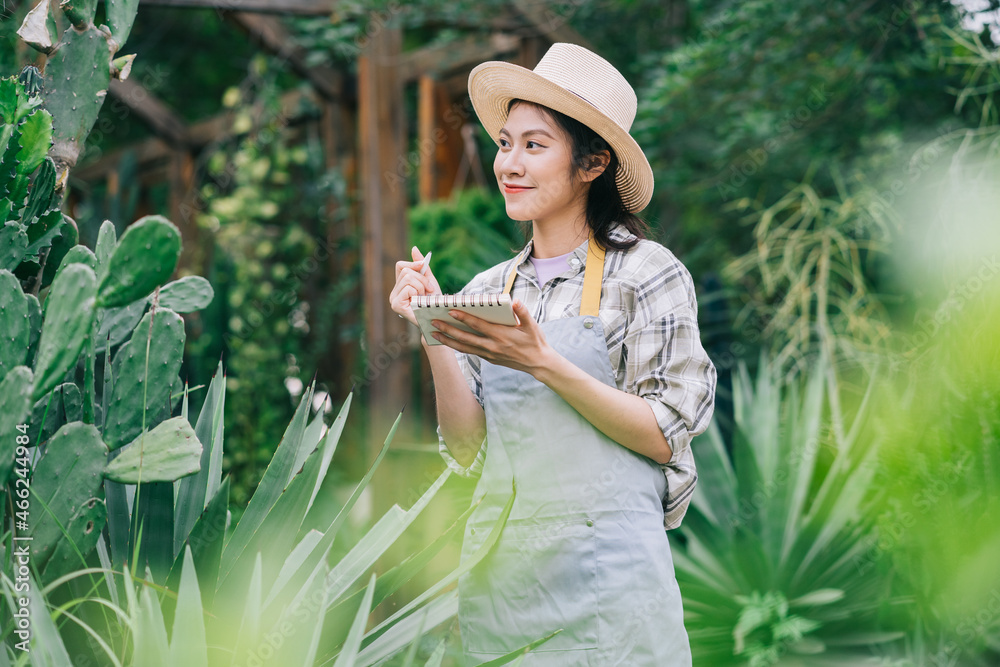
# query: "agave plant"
773,570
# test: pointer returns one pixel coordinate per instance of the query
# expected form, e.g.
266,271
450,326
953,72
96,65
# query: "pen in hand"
427,263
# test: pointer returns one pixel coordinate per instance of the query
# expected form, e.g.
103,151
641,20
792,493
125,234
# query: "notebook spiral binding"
458,300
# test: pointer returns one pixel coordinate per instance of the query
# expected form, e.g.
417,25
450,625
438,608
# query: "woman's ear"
596,164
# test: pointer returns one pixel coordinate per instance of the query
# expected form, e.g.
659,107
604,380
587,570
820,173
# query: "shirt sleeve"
666,364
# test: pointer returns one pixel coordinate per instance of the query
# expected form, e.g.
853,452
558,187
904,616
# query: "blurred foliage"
265,194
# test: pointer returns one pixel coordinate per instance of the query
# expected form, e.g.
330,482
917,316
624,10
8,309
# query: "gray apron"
584,548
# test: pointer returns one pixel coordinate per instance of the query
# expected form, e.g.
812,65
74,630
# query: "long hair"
604,202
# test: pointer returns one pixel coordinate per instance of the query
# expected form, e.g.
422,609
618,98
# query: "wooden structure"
364,133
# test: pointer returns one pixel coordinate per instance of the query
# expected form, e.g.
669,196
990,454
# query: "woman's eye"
533,144
503,142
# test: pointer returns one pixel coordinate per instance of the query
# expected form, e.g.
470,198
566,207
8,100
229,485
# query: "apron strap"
590,303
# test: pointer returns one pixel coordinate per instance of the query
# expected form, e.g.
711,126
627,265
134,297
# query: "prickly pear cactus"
30,221
69,474
15,325
78,70
142,385
145,258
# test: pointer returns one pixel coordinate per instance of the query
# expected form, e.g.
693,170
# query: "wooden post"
439,140
383,170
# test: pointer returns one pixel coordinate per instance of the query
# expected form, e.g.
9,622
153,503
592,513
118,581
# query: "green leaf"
206,539
69,314
527,648
82,532
42,196
36,139
196,491
169,451
107,241
401,634
276,477
349,652
150,637
47,647
144,259
189,647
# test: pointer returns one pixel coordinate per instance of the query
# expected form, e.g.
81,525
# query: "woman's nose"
510,162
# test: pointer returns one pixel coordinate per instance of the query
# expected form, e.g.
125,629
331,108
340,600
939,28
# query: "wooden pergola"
364,134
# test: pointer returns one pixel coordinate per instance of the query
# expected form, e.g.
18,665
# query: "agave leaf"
150,638
250,626
276,477
401,634
189,647
519,653
205,540
195,492
47,648
349,652
381,536
294,563
453,576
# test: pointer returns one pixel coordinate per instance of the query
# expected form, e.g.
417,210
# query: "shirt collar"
618,233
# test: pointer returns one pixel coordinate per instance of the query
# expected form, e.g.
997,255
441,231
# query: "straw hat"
580,84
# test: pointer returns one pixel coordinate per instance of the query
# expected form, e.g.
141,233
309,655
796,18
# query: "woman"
588,405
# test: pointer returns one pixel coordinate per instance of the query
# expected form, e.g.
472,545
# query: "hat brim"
493,84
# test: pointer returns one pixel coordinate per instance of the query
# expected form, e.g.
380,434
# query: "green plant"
768,573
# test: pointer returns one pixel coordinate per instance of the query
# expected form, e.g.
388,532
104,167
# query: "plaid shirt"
650,317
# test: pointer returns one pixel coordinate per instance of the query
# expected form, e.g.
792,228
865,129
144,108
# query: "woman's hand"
410,283
521,347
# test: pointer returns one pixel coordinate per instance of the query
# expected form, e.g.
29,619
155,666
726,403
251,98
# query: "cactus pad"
82,534
144,259
126,412
69,314
15,326
168,452
187,294
15,402
51,412
65,479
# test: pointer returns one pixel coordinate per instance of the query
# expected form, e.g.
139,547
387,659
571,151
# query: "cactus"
35,322
15,324
82,532
187,294
117,324
144,259
107,241
15,402
78,71
51,412
78,254
166,453
134,388
69,314
65,478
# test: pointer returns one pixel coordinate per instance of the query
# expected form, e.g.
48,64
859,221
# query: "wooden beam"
217,128
271,34
160,118
299,7
461,54
383,171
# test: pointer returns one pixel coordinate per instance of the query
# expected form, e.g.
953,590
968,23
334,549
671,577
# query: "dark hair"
604,201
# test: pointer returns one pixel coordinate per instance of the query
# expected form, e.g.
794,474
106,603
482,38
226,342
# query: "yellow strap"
592,275
591,302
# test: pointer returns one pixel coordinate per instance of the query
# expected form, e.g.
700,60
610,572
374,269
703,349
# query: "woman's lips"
514,189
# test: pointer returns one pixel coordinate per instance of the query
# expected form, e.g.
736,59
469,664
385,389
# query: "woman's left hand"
521,347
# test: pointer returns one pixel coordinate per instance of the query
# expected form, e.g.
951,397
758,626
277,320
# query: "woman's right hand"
410,283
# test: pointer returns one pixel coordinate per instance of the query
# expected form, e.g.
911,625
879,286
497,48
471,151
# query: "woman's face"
533,167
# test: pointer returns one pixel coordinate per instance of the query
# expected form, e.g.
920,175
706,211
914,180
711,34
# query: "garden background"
200,420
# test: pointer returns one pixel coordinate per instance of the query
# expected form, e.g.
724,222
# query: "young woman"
587,407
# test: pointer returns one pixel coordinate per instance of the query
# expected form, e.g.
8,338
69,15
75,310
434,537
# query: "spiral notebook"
495,308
